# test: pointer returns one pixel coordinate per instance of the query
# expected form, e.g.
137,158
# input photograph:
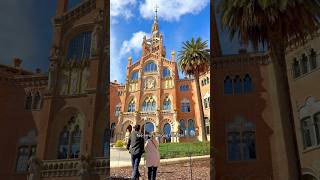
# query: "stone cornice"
79,11
241,60
26,80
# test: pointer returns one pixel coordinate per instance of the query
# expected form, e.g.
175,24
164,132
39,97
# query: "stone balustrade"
69,167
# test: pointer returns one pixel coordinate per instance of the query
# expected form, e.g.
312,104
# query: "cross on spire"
156,11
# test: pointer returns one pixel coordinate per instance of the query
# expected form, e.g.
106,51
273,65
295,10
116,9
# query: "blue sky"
26,32
26,29
179,21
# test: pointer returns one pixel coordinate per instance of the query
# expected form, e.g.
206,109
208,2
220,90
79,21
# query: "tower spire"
156,13
155,26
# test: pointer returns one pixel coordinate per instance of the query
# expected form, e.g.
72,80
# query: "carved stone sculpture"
52,68
149,83
54,53
85,79
95,40
64,82
74,81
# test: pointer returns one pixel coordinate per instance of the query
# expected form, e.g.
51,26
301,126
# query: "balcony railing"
70,167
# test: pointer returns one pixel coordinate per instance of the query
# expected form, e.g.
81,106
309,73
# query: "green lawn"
173,150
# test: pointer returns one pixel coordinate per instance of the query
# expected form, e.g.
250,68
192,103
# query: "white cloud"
121,8
115,63
134,44
171,10
119,55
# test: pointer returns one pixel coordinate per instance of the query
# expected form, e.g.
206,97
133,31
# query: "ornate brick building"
249,138
155,97
60,115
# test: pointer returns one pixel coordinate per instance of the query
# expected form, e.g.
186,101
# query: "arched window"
167,104
191,128
308,133
296,68
69,140
310,122
134,76
73,3
237,85
36,101
149,105
234,146
22,159
148,127
205,81
28,102
79,47
313,59
132,106
304,63
113,127
206,100
182,127
75,142
228,89
184,88
117,110
166,72
241,140
27,146
63,144
185,105
247,84
150,67
167,132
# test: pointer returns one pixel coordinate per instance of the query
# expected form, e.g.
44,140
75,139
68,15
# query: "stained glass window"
166,72
167,104
247,84
150,67
79,47
228,89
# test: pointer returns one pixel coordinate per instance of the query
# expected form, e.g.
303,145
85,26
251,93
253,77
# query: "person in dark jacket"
136,149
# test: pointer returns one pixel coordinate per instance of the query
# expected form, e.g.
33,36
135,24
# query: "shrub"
119,143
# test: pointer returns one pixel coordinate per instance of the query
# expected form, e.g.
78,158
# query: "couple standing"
137,147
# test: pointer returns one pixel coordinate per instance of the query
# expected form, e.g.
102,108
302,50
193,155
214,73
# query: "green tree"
193,60
274,23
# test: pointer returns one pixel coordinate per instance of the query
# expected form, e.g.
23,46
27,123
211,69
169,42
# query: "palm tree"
274,23
194,60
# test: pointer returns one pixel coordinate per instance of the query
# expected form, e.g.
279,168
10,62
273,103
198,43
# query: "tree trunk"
203,124
277,52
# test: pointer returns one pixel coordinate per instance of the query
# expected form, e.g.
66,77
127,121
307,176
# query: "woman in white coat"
152,156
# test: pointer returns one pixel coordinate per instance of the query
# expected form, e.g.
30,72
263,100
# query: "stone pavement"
175,168
197,170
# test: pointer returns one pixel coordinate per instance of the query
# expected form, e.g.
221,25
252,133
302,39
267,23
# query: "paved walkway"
123,159
197,169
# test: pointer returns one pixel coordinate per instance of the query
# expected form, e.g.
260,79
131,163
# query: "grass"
186,149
